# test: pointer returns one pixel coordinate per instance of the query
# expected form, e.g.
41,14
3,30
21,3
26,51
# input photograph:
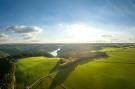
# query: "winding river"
55,52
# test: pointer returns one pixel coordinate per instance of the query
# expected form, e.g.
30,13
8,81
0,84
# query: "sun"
81,31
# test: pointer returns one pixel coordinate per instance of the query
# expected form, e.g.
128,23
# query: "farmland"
100,75
30,69
114,72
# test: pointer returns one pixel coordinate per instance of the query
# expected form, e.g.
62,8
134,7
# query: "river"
55,52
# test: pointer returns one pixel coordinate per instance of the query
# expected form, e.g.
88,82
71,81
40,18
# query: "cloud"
28,35
106,36
3,37
24,29
27,32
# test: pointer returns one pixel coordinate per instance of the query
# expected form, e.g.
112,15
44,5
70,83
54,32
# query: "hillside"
31,69
115,72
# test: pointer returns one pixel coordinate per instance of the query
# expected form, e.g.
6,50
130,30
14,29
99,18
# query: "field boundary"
121,62
40,79
37,81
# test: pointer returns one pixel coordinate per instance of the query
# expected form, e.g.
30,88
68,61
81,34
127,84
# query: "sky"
67,21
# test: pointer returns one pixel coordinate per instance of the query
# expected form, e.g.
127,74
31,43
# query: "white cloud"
3,37
24,29
27,36
107,36
27,32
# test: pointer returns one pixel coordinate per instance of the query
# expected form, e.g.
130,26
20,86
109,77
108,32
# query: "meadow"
114,72
31,69
117,73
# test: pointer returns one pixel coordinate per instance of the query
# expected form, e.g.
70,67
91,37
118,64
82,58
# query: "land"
77,66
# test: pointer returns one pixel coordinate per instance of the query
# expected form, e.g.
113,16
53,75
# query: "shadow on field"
61,75
65,69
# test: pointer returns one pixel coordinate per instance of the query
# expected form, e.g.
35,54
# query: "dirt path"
37,82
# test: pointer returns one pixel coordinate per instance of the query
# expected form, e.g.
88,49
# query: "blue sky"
56,21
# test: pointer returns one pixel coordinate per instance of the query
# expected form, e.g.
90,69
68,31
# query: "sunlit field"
28,70
106,75
114,72
67,44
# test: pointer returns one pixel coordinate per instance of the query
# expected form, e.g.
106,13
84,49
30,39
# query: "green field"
100,75
30,69
115,72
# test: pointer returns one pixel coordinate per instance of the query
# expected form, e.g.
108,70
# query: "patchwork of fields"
114,72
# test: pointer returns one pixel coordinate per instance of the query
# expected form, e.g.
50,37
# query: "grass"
99,75
89,75
28,70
